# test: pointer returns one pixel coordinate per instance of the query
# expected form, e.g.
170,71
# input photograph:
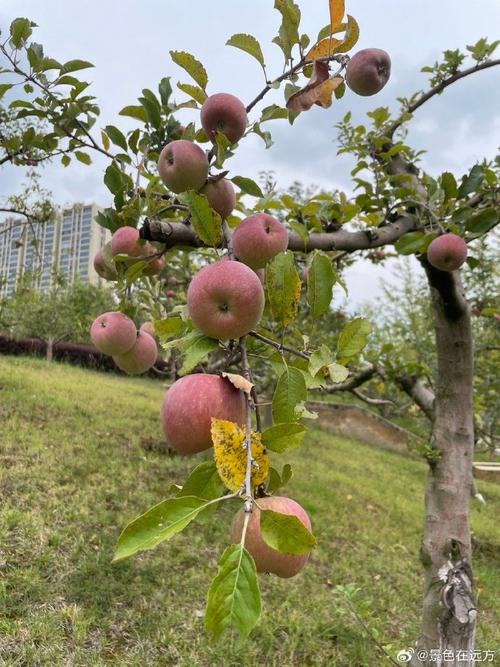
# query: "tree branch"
173,233
416,390
436,90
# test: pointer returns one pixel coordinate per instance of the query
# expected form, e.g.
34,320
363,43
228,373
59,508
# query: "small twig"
368,631
279,346
248,429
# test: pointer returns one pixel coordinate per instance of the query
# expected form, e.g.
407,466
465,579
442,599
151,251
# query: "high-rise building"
66,245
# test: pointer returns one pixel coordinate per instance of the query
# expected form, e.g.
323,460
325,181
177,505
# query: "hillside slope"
80,457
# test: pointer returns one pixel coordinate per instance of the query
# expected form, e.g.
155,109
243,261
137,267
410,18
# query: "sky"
129,42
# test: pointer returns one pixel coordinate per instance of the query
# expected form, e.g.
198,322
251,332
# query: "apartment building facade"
67,244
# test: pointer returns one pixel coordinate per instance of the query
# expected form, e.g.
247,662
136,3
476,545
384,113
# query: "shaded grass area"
80,454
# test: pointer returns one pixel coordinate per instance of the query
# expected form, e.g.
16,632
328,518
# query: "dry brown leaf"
318,91
239,382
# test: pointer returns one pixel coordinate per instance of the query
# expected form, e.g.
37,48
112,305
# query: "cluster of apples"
115,334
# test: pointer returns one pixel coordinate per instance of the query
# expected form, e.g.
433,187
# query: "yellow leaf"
230,454
323,48
337,9
239,382
351,36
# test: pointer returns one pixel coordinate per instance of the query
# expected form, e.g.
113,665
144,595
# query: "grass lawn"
79,458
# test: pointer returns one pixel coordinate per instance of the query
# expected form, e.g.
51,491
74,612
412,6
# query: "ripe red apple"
102,268
224,113
172,280
189,406
170,293
266,558
113,333
258,239
221,196
225,299
140,357
368,71
125,241
182,166
447,252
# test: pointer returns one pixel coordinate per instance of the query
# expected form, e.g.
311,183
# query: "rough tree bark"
449,612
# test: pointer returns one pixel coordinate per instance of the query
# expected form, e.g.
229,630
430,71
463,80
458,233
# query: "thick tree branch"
416,390
173,233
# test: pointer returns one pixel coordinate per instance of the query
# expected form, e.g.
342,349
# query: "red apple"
447,252
182,166
224,113
189,406
258,238
225,299
368,71
140,358
125,241
102,268
266,558
221,196
113,333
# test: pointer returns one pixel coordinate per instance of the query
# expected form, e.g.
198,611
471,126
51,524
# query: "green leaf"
169,327
113,178
320,281
273,112
49,63
248,186
300,229
471,182
247,43
193,91
276,481
4,87
449,185
285,533
410,243
165,90
137,112
35,55
192,66
482,222
83,157
75,65
159,523
283,287
281,437
65,160
289,29
234,596
263,134
194,347
290,390
116,136
207,223
222,148
203,482
20,31
338,373
353,338
320,359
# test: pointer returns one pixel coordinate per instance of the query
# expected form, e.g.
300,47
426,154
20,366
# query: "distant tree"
63,312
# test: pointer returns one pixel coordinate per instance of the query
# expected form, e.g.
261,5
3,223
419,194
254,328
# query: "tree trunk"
449,613
49,353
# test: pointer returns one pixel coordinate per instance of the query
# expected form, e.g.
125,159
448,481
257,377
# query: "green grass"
80,456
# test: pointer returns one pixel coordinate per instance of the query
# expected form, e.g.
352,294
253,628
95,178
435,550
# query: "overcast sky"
129,42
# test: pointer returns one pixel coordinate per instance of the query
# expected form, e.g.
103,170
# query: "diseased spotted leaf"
318,91
231,455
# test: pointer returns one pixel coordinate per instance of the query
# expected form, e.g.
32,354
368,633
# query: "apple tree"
173,197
